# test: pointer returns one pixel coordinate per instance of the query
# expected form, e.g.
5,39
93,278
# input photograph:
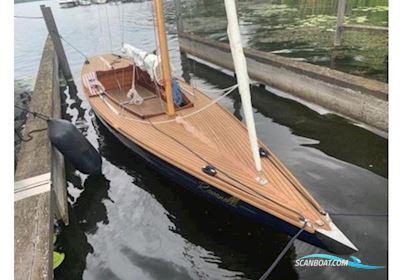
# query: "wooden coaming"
213,136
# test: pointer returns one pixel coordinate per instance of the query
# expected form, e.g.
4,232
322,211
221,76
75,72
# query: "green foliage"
372,9
58,258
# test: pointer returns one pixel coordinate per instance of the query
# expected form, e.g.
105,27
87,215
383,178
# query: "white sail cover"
148,62
239,61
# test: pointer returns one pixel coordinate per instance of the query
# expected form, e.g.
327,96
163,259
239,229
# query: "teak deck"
213,136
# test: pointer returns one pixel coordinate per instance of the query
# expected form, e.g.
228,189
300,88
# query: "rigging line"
154,29
120,23
282,253
157,49
359,214
193,81
75,48
116,77
123,26
28,17
101,27
230,89
108,28
300,190
252,192
159,94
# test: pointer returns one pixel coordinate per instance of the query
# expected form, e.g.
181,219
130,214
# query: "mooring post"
339,23
55,36
178,12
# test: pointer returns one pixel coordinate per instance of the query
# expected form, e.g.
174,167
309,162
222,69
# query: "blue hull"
214,194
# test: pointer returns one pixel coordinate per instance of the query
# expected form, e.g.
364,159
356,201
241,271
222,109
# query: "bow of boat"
335,240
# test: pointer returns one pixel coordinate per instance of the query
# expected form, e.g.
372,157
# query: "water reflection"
156,267
85,213
73,243
85,194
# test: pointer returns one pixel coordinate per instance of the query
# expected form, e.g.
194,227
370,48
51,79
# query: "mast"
239,61
165,66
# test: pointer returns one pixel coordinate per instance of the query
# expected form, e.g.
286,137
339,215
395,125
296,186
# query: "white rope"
228,91
133,95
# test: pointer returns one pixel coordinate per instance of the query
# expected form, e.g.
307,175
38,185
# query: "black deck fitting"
210,170
263,153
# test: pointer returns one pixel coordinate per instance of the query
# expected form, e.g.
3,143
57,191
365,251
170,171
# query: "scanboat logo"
329,260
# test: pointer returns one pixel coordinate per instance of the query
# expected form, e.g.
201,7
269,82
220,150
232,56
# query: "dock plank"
31,238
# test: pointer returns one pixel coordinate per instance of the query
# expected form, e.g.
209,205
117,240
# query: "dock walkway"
40,185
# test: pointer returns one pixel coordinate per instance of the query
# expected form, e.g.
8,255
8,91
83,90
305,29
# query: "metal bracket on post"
58,46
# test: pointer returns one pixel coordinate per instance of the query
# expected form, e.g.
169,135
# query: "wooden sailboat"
197,143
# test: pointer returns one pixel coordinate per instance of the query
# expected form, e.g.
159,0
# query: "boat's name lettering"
231,200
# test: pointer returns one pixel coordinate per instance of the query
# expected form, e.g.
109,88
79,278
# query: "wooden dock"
40,184
358,99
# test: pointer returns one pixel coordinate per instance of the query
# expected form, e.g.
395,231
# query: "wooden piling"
341,27
178,13
339,23
58,46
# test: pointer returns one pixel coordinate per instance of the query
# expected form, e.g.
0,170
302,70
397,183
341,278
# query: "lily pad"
361,19
58,258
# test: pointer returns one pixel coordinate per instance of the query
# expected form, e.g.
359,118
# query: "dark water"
132,223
